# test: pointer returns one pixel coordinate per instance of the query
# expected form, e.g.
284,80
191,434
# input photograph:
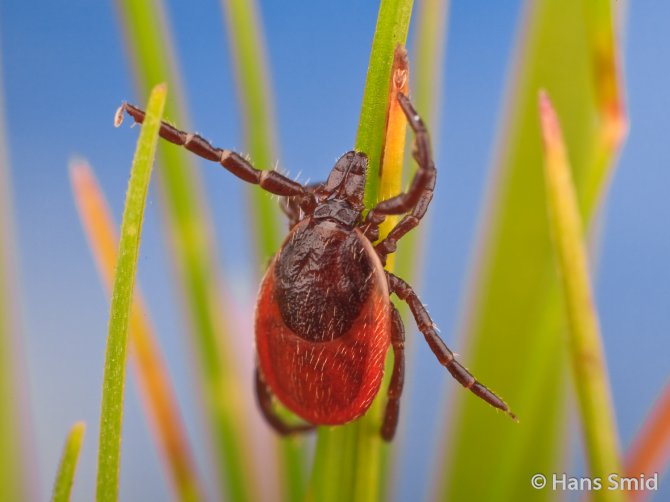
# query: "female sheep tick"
324,320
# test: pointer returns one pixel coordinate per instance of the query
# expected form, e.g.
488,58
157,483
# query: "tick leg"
265,402
397,377
295,207
418,196
269,180
439,348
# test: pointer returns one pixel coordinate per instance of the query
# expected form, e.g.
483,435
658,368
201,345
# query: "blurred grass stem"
586,350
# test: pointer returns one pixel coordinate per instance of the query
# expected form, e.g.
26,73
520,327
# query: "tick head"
346,181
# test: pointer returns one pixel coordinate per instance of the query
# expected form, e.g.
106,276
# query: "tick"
324,319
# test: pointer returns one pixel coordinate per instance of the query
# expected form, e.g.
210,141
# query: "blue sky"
65,72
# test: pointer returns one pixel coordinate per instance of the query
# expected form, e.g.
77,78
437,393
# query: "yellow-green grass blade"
513,331
349,460
584,339
372,453
393,152
391,30
156,390
254,92
111,416
192,242
12,456
68,463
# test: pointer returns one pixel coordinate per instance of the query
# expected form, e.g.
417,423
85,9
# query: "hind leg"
445,356
397,377
264,396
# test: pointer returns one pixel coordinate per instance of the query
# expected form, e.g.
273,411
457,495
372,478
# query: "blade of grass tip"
392,162
336,449
68,463
612,117
586,350
253,89
514,322
157,395
649,453
111,416
192,242
13,482
372,452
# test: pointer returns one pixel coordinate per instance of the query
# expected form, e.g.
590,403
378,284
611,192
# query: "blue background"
64,73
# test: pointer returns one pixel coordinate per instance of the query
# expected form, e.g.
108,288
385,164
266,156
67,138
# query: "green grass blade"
12,457
349,460
152,376
515,318
253,89
586,350
111,417
68,463
191,236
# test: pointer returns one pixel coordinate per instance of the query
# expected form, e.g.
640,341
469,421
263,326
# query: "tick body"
323,323
324,319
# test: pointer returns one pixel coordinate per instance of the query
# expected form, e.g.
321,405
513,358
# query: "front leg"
439,348
269,180
416,200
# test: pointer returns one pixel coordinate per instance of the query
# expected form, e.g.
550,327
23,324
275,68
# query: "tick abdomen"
322,323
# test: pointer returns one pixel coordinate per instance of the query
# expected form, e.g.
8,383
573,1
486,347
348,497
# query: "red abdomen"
334,380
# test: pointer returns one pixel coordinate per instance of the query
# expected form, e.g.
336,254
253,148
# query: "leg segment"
265,402
439,348
271,181
397,377
295,207
420,192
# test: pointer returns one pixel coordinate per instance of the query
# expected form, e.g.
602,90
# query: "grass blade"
339,473
393,156
193,251
68,463
109,453
160,405
372,452
515,318
12,456
253,90
586,350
